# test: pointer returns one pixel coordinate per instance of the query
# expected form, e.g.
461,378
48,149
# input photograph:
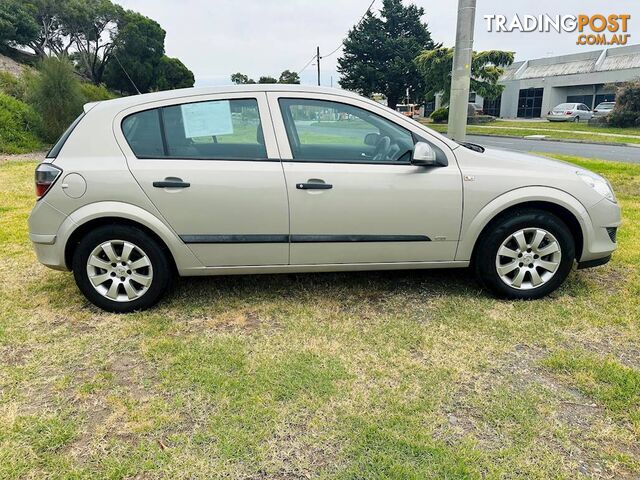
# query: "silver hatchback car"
266,179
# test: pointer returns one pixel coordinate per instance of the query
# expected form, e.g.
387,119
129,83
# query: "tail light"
568,112
46,176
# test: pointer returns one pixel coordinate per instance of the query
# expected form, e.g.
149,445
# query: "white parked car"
603,109
570,112
267,179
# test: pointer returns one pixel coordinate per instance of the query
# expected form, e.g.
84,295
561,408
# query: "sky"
216,38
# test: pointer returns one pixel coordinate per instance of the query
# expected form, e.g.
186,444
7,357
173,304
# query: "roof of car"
133,100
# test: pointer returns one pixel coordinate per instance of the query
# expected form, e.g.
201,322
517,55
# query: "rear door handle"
171,182
314,186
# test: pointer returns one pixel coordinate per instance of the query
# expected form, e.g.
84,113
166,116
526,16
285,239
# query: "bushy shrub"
440,115
56,96
622,118
627,110
12,85
95,93
19,126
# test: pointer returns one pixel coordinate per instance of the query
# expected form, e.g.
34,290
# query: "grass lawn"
556,130
361,375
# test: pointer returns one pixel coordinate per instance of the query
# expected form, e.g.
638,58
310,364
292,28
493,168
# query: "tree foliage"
92,26
138,53
241,79
172,73
379,53
17,25
289,77
436,65
267,79
90,32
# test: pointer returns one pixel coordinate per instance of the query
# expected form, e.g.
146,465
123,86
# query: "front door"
353,195
210,166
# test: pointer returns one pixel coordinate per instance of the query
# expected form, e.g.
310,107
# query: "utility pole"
318,63
461,73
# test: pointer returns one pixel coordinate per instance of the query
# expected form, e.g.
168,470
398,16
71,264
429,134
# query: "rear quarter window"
142,131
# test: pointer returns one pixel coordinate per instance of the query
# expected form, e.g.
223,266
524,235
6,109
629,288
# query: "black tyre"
525,255
121,268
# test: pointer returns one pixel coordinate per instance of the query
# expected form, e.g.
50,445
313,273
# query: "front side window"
216,130
321,130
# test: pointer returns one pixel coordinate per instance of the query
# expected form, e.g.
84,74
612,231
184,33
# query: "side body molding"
472,228
183,256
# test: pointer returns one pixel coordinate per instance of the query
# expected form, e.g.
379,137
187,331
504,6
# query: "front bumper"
599,242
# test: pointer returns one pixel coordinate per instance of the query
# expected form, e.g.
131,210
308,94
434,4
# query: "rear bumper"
564,118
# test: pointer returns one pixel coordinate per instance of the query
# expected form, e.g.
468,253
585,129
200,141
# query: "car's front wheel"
525,255
121,268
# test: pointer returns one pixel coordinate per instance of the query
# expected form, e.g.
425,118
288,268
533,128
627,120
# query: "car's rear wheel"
577,119
525,255
121,268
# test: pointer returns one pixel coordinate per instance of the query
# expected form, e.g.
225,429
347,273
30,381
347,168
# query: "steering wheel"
382,148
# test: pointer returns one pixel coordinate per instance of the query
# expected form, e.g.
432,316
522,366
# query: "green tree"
55,94
267,79
53,37
17,25
379,53
137,54
172,73
241,79
92,26
486,68
289,77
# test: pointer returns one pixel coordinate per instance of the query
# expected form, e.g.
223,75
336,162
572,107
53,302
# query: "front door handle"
171,182
314,186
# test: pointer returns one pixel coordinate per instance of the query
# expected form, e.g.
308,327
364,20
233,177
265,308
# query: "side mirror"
424,155
371,139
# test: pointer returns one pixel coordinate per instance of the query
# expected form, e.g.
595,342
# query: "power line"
357,24
317,56
307,64
125,72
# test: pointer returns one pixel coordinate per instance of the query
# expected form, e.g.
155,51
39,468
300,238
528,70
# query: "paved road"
618,153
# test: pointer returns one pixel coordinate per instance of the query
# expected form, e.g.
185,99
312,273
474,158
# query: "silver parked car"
603,109
266,179
570,112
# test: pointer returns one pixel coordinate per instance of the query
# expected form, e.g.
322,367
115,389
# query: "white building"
534,87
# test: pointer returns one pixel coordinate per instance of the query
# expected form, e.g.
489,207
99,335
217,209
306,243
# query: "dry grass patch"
364,375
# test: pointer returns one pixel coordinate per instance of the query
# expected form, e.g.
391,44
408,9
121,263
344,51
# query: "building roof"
609,59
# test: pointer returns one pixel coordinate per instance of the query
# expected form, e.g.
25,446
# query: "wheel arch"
557,202
114,213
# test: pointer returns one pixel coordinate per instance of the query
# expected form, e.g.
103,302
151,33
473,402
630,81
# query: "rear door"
354,197
210,165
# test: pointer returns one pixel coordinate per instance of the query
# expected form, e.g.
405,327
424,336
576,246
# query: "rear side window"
55,150
214,130
142,131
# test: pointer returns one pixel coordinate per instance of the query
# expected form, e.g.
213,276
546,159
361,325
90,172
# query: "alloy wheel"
119,270
528,258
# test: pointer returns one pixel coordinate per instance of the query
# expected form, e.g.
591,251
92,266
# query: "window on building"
605,97
530,103
472,97
586,99
492,107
